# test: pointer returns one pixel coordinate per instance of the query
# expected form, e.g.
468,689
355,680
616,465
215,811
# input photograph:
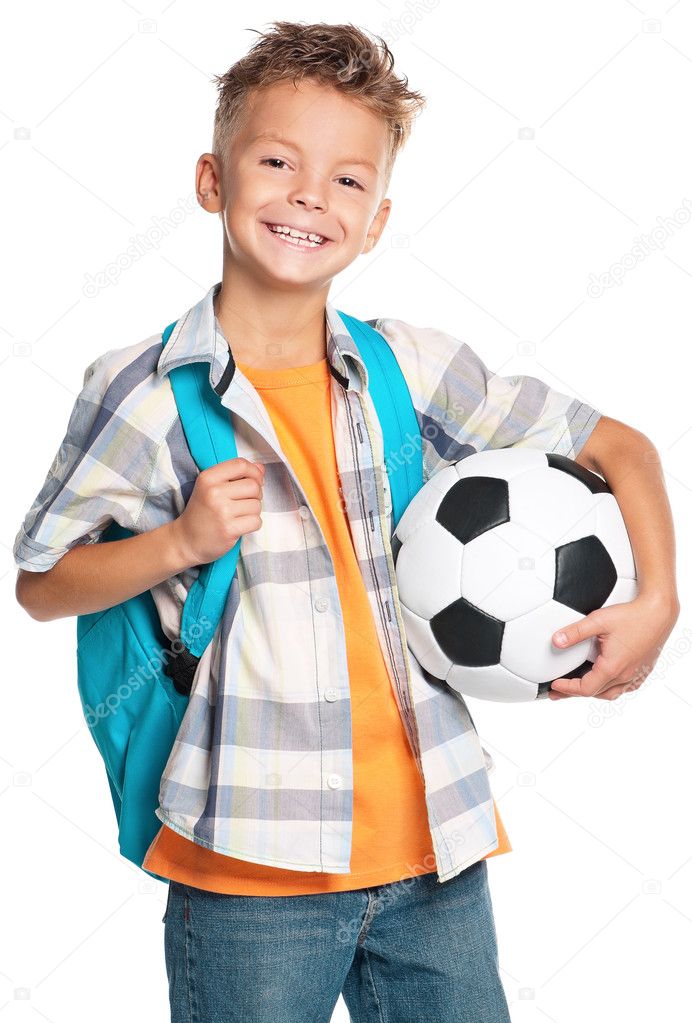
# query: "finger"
554,695
586,627
246,508
233,469
613,692
235,490
247,524
592,682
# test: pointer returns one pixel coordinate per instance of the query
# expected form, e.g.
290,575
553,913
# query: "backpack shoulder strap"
209,434
395,411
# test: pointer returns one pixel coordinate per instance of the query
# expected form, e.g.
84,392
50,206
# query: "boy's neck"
272,330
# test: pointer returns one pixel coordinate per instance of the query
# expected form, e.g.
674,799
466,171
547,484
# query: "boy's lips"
297,244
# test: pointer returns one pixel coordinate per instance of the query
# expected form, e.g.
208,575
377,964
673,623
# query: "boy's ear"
209,183
377,225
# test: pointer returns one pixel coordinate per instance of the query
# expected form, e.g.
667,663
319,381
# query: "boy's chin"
292,276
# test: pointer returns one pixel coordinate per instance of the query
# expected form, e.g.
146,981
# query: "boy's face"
309,158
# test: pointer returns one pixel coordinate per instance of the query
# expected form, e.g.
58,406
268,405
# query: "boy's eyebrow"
275,136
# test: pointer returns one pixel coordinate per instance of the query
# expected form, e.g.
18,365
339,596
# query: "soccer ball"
493,555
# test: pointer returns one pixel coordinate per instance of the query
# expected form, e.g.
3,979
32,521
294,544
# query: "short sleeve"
464,407
100,474
497,411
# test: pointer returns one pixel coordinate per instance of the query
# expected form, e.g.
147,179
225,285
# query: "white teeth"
302,237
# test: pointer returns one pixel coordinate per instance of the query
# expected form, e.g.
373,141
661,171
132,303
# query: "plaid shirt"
262,765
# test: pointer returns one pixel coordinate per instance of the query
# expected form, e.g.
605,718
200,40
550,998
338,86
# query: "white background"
556,135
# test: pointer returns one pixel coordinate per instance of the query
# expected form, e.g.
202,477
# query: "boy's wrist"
661,597
179,557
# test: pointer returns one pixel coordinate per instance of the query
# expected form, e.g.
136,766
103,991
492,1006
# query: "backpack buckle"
181,670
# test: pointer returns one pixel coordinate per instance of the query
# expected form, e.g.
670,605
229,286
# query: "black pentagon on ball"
473,506
467,635
584,574
396,547
591,480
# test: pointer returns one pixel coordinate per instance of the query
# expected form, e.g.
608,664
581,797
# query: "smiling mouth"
296,238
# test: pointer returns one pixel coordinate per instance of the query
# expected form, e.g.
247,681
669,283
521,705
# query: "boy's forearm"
633,470
93,577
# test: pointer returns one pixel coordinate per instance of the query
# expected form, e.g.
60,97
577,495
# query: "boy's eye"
277,159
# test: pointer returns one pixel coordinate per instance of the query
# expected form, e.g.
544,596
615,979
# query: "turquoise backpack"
135,684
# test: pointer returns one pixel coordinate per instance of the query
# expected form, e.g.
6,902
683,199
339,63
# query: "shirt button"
304,511
330,694
334,781
321,604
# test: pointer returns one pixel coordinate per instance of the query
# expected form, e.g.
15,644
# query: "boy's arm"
631,466
108,468
225,503
631,635
104,470
95,576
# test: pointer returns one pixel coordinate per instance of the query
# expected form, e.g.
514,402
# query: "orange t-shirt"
390,833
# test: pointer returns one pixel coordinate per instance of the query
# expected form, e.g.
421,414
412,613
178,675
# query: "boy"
326,811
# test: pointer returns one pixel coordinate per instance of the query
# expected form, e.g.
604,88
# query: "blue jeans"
411,951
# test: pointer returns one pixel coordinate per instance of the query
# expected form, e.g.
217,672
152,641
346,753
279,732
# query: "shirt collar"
198,336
